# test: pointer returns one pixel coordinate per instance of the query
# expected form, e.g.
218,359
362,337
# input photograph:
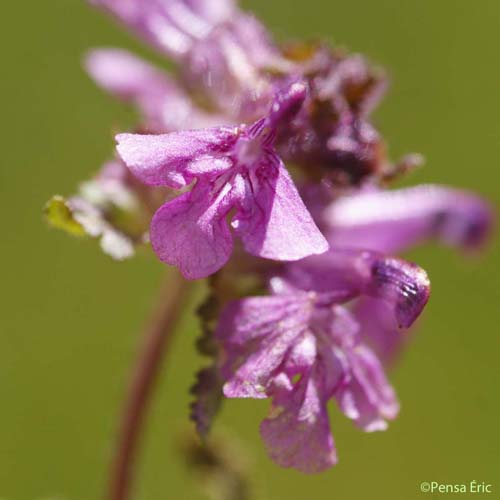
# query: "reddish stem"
156,341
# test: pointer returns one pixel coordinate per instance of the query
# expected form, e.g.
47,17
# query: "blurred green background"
70,317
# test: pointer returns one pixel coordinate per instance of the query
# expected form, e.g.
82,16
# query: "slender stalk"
155,343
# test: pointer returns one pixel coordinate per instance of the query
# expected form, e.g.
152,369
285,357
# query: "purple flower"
172,26
164,105
223,54
393,221
302,347
236,170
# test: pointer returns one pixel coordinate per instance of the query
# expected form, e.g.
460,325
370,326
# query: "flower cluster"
271,143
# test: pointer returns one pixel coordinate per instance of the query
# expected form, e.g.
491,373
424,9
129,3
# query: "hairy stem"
155,343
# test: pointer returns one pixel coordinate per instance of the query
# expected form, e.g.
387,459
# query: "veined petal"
391,221
249,319
191,232
256,334
367,397
273,222
302,355
297,431
175,159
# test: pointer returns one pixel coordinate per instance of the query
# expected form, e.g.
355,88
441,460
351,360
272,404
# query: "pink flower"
394,221
164,105
238,171
302,347
172,26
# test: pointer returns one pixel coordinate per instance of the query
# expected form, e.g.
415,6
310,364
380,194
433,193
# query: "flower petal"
378,327
175,159
216,12
148,21
231,65
256,334
367,397
170,25
273,222
297,430
163,104
302,355
391,221
403,285
125,75
191,232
